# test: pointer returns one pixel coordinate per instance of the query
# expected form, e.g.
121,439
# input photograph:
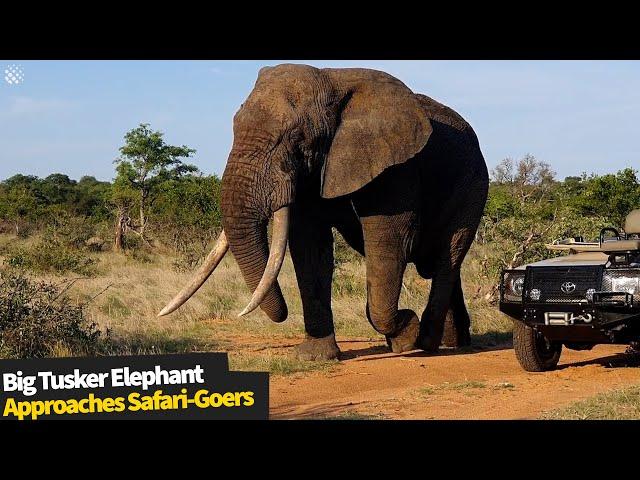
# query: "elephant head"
341,126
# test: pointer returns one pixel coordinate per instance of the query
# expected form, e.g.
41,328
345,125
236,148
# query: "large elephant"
399,175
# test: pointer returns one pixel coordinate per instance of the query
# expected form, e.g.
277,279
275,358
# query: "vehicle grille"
550,281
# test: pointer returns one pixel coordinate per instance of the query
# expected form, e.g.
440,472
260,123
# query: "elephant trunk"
245,222
259,265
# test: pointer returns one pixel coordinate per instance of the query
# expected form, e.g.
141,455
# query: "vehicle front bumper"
594,322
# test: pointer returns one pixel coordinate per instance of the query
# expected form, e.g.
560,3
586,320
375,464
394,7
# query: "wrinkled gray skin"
399,175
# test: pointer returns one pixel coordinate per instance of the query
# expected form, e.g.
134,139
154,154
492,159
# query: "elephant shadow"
492,341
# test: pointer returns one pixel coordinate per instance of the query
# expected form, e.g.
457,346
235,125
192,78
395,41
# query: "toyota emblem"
568,287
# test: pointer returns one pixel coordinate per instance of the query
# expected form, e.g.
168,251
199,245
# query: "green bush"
51,257
132,241
69,230
141,255
38,320
191,254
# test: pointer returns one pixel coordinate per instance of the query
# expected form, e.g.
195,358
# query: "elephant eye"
296,137
287,165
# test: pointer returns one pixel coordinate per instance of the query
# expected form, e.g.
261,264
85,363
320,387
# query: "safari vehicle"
588,297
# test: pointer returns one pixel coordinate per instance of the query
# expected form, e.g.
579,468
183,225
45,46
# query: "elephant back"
438,112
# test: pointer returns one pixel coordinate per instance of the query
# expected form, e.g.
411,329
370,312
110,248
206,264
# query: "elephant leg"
311,248
433,318
446,298
385,256
446,301
457,323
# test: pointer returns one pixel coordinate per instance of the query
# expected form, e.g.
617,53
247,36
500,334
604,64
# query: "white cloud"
32,106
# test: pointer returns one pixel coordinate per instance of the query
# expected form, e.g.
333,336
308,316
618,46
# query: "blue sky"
70,116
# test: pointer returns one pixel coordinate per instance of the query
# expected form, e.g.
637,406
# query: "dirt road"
487,384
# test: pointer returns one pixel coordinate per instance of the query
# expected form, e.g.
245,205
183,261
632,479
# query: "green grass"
275,364
115,307
504,386
621,404
189,337
347,285
427,391
464,385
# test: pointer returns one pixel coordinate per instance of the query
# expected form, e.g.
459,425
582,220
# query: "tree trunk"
143,206
119,232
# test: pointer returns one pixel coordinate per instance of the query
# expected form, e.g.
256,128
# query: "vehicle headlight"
621,281
513,286
624,284
517,285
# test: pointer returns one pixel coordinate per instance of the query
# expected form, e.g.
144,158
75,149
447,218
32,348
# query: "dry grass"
621,404
129,292
274,363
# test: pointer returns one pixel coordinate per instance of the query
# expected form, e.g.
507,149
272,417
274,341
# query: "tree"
528,178
58,189
188,212
528,208
21,200
520,210
145,162
529,183
92,199
611,196
19,204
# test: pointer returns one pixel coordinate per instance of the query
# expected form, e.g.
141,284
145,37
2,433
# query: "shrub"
190,256
50,257
68,230
141,255
132,241
95,244
38,320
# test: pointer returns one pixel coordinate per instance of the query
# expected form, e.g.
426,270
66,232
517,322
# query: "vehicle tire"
534,352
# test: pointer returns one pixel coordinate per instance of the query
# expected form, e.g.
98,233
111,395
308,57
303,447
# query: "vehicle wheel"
534,352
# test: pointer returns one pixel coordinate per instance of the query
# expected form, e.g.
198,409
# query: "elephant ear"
381,125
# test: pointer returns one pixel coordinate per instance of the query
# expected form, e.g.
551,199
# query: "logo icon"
14,74
568,287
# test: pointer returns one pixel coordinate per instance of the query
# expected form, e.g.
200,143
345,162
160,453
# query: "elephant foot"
456,333
324,348
456,342
428,343
405,339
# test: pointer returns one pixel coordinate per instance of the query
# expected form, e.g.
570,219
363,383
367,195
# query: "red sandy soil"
485,384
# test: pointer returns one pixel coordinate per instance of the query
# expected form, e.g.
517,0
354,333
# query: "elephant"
400,176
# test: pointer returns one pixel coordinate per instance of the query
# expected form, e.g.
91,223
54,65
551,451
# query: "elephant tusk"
207,268
274,263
